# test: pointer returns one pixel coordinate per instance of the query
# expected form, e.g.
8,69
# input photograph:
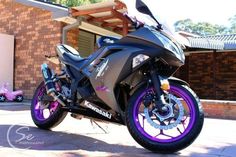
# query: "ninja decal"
101,70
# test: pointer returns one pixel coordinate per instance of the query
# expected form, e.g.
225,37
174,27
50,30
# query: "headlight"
170,45
139,59
175,49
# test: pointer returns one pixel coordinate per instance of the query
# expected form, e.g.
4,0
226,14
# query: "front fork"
159,85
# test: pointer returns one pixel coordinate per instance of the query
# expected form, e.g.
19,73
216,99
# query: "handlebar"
137,24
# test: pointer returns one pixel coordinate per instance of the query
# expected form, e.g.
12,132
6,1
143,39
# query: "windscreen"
146,11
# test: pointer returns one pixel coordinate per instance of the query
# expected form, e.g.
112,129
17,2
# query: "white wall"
6,59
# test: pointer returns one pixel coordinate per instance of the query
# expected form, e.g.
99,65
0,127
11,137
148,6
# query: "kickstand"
92,121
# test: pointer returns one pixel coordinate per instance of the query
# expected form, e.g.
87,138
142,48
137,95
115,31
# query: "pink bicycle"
6,94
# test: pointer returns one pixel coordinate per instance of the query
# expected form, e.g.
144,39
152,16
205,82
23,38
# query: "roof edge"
57,11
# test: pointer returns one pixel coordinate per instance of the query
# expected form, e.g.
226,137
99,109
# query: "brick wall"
211,75
72,38
225,71
35,35
219,109
201,76
183,72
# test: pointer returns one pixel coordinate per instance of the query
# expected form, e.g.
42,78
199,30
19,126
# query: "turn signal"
165,85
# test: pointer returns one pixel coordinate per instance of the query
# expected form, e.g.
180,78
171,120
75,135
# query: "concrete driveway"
79,138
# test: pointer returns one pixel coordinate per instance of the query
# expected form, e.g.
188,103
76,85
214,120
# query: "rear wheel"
46,115
169,131
2,98
19,98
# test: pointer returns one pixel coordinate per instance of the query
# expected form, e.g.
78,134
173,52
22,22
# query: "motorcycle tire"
54,115
165,145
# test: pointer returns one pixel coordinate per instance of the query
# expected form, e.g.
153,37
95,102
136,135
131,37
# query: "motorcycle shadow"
27,137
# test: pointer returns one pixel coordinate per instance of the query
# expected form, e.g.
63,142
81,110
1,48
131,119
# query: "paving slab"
82,138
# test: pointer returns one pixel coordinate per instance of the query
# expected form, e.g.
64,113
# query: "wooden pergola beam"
120,29
120,4
114,14
74,12
125,28
118,15
87,12
112,24
100,19
124,19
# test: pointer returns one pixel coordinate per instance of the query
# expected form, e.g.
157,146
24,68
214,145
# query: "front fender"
170,79
178,81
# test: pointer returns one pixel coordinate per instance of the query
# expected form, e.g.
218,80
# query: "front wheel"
46,115
165,131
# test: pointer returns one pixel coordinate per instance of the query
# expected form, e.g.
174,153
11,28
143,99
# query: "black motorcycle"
126,81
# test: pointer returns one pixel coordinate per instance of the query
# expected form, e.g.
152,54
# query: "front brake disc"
161,118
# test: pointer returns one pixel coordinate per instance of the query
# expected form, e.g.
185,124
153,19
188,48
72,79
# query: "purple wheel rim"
38,112
173,90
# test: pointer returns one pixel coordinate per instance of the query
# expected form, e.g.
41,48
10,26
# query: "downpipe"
50,85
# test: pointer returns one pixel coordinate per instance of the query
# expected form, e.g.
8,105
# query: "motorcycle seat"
73,58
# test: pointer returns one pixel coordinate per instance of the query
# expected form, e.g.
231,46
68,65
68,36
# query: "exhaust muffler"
50,84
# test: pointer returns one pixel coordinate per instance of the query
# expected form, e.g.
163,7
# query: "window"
86,43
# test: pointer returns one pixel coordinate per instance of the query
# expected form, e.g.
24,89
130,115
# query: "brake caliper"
148,99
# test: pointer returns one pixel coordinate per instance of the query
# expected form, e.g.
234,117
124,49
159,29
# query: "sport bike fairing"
111,64
108,73
118,65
